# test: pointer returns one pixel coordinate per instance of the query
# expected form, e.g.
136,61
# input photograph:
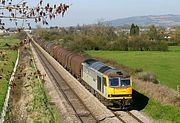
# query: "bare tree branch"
22,11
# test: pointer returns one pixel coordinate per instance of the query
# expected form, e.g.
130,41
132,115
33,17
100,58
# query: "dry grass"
147,76
158,92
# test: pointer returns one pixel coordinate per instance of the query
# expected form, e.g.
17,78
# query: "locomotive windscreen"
114,82
125,82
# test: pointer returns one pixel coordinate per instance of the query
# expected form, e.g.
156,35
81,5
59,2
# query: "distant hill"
158,20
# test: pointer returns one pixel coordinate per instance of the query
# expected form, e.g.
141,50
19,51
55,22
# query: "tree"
134,30
152,33
176,35
22,11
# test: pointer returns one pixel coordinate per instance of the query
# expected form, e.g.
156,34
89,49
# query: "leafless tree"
23,11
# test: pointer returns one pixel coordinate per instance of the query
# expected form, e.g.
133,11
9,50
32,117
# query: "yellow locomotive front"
119,90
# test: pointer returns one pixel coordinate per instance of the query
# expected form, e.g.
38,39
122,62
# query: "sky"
92,11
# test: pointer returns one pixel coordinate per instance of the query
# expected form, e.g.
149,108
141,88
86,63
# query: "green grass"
7,67
8,40
166,65
3,90
162,112
40,102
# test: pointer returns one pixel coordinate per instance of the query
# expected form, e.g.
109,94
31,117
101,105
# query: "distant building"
2,31
167,37
55,27
28,30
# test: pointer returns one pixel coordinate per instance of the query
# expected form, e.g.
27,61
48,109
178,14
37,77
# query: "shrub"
101,37
177,100
7,45
148,77
21,35
137,70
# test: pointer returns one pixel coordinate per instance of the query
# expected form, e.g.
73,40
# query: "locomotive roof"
97,65
103,68
90,61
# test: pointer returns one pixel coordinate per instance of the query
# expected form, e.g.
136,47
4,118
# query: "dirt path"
28,101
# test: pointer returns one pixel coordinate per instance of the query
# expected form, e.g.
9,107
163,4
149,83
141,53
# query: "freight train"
105,82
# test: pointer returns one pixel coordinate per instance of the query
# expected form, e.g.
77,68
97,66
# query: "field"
166,65
6,64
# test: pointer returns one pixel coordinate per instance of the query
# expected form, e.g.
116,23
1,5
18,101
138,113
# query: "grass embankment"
166,67
28,99
39,108
7,61
40,105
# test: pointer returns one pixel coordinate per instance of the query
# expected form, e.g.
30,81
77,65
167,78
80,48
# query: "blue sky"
90,11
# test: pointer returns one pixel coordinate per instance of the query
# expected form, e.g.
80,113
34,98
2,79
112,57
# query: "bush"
137,70
140,43
7,45
148,77
100,37
177,100
21,35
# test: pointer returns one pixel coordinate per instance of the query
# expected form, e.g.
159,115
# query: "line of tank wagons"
104,80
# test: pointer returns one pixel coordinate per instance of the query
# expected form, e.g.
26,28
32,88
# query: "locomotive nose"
120,93
120,90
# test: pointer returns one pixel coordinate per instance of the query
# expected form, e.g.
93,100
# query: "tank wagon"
105,82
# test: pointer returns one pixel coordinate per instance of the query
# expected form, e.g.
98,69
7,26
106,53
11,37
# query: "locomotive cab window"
104,81
99,83
114,82
125,82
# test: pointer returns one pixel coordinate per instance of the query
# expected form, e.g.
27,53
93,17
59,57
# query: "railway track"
75,105
127,117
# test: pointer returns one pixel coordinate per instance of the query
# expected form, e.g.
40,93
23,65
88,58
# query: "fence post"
178,90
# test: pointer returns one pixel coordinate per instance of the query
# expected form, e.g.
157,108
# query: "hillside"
158,20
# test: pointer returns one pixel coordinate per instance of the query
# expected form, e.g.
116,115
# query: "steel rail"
134,117
130,114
